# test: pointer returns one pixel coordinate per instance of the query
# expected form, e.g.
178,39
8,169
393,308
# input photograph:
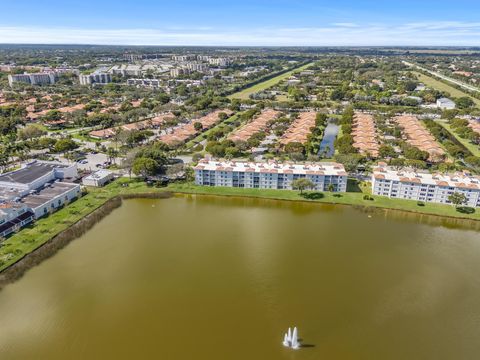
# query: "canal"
327,146
211,278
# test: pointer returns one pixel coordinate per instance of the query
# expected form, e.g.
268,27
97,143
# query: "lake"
199,277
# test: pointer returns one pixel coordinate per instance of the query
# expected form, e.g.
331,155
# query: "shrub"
313,195
367,197
466,210
420,203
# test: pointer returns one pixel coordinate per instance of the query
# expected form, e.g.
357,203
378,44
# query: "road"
446,78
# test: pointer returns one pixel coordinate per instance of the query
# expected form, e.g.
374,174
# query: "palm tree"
112,154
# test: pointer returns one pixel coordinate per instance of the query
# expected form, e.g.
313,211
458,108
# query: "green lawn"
440,85
474,149
245,94
28,239
331,198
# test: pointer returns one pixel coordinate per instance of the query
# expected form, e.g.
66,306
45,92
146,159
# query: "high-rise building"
33,79
95,78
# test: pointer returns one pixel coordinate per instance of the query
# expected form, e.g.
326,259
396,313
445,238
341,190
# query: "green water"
212,278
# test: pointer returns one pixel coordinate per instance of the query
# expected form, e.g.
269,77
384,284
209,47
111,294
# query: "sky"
242,23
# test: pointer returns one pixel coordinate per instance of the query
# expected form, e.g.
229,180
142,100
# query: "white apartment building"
219,61
182,58
195,66
95,78
176,72
270,175
32,79
154,83
425,187
127,70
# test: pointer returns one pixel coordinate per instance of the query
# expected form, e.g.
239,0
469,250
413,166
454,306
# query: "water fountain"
290,339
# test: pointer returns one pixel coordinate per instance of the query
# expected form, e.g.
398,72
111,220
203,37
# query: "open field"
475,150
28,239
440,85
245,94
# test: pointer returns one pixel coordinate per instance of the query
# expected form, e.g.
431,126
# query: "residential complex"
259,123
364,134
32,79
185,132
33,191
424,186
418,136
272,175
300,128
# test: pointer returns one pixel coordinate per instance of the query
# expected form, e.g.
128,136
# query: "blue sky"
246,22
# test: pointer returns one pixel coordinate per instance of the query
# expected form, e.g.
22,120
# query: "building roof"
12,223
47,193
100,174
274,167
457,180
30,173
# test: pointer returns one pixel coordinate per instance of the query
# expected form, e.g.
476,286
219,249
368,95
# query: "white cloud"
453,33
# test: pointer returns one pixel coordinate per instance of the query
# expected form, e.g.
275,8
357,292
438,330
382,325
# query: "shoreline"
360,207
16,269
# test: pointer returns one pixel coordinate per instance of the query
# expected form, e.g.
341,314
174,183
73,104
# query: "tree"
331,187
302,184
349,161
410,85
65,145
112,154
197,126
31,132
457,199
144,166
223,116
387,151
294,147
127,162
464,102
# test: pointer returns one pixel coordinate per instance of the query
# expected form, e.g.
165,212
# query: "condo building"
426,187
272,175
32,79
95,78
153,83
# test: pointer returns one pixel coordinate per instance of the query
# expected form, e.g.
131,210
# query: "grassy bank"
26,241
34,236
440,85
245,94
351,198
474,149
